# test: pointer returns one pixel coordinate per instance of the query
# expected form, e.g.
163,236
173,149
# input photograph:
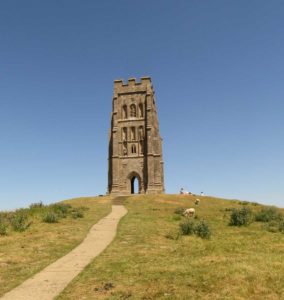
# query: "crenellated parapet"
133,86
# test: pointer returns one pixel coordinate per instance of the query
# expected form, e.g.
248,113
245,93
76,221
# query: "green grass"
144,263
23,254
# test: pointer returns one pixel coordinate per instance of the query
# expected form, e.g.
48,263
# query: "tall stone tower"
135,145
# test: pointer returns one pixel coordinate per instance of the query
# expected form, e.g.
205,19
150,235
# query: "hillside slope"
146,261
22,254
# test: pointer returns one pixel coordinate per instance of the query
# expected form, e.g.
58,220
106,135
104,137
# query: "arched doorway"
134,185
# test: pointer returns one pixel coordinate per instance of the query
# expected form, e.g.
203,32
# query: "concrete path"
48,283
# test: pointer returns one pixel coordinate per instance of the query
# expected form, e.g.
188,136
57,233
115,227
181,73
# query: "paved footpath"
48,283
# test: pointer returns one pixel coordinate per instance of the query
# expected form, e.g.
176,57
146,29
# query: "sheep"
197,201
189,212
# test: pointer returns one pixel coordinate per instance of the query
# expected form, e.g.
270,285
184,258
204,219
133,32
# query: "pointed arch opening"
134,186
141,112
124,112
135,183
133,111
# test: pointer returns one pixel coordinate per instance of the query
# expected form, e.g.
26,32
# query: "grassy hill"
142,263
149,259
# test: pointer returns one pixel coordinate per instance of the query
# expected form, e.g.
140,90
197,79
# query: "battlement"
132,82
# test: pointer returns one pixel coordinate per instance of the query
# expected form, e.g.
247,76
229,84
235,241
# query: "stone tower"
135,145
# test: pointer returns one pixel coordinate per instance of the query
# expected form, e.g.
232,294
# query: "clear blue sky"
217,69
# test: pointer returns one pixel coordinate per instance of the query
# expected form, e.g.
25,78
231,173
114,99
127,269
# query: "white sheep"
189,212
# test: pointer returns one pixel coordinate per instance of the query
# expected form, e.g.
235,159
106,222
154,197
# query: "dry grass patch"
24,254
141,263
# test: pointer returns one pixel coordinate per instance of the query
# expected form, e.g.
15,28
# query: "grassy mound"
149,259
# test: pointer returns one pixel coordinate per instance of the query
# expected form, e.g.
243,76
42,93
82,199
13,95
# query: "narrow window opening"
124,134
133,149
141,113
133,134
124,112
132,110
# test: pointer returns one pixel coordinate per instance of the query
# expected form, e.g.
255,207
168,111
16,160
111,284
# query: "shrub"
202,230
77,214
281,226
229,209
272,226
3,229
173,235
61,209
179,211
244,202
268,214
50,217
19,221
85,208
240,217
37,205
187,227
176,217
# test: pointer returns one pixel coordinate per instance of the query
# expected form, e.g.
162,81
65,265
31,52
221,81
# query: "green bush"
19,221
229,209
241,217
61,209
244,202
176,218
173,235
272,226
179,211
268,214
202,230
76,213
50,217
37,205
281,226
3,229
187,227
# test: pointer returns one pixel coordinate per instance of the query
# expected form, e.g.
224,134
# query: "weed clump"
281,226
50,217
3,229
173,235
37,205
176,217
77,213
187,227
241,217
268,214
202,230
61,209
179,211
19,221
271,226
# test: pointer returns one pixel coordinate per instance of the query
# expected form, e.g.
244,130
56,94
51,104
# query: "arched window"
133,148
124,134
141,113
124,112
133,134
132,110
140,133
141,147
124,149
